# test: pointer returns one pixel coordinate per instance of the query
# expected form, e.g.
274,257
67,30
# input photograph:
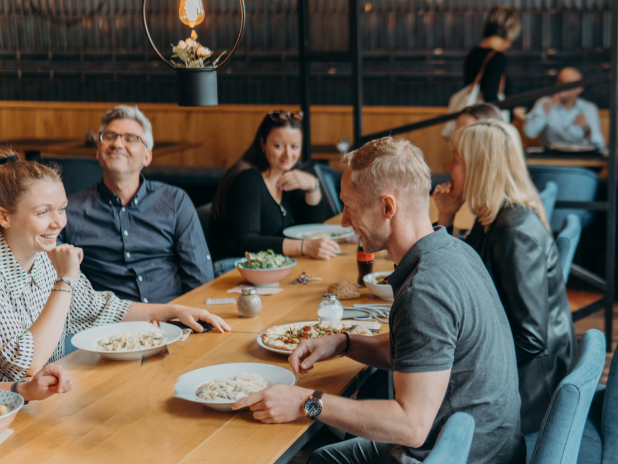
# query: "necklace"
283,211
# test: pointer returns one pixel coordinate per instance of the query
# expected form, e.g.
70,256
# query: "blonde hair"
496,174
17,176
391,163
503,22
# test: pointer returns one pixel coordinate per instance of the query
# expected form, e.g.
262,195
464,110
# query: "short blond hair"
496,174
390,163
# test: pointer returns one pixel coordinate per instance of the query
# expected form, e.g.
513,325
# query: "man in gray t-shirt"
450,346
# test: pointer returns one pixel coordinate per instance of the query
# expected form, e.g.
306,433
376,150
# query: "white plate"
297,232
88,339
188,384
275,350
384,292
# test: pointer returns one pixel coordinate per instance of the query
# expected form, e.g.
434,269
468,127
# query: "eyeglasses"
128,139
281,115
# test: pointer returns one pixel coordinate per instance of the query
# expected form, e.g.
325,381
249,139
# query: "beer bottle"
364,262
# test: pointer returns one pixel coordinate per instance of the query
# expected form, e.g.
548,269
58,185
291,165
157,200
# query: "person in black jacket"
500,29
511,235
262,194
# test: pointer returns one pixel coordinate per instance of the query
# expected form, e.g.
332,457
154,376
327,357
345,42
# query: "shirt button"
123,208
128,255
136,202
126,233
110,202
145,300
139,278
207,256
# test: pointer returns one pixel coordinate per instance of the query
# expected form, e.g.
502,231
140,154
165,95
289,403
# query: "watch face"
313,407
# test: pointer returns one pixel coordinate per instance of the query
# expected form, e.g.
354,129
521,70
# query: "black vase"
197,87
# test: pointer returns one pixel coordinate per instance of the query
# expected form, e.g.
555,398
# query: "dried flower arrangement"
192,54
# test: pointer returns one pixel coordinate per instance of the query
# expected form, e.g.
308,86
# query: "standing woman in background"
500,29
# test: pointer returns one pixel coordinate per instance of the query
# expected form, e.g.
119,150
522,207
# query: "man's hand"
519,113
580,120
550,103
277,404
48,381
313,350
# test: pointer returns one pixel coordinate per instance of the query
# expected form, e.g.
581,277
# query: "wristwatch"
317,186
16,384
313,405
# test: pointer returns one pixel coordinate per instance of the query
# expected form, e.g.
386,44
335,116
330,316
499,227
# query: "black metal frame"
306,57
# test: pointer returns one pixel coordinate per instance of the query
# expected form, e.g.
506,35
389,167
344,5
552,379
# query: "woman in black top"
500,29
511,235
261,195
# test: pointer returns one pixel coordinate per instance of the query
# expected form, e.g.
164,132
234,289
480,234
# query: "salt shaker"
330,308
249,304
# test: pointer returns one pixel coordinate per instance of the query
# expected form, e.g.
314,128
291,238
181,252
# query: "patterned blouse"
22,298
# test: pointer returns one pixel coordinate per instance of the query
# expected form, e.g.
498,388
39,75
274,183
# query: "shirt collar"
15,275
429,243
110,197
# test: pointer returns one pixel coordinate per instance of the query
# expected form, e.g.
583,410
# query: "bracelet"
66,281
15,385
317,186
60,290
347,345
301,248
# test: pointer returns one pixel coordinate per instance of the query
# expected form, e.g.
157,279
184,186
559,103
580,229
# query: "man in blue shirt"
141,239
564,118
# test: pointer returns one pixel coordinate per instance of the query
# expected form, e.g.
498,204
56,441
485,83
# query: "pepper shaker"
249,304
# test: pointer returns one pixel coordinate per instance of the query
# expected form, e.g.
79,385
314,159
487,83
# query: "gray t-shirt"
447,315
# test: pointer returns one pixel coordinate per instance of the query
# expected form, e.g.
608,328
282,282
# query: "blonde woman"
511,235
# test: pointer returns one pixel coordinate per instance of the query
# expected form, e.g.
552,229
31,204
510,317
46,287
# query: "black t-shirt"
447,315
496,67
255,220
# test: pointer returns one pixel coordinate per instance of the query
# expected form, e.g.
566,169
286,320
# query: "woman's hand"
447,203
189,317
319,249
296,179
66,260
48,381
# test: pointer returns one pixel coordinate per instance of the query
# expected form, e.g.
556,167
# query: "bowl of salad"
265,269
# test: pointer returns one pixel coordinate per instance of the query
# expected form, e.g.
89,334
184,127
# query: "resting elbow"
416,438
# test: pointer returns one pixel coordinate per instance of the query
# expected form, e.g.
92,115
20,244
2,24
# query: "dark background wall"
96,50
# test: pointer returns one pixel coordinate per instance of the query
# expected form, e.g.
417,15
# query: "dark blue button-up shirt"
151,250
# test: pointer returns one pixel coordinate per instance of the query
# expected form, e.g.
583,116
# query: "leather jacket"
522,259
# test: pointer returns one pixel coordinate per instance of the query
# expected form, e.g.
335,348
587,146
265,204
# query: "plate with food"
218,387
266,268
10,404
125,341
572,147
318,231
377,283
285,338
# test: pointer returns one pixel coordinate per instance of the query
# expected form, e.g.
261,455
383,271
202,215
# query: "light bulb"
191,12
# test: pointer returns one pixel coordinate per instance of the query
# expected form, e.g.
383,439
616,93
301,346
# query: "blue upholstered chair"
77,173
567,242
561,433
548,197
600,441
453,445
574,184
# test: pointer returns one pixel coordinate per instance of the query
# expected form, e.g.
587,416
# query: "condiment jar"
249,304
330,308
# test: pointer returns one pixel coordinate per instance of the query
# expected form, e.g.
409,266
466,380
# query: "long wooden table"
122,412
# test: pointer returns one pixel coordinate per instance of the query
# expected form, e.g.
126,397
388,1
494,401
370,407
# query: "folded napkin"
4,435
260,290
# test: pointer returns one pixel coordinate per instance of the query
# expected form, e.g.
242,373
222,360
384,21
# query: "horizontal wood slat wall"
225,131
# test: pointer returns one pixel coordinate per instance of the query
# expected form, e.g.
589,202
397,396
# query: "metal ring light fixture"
197,86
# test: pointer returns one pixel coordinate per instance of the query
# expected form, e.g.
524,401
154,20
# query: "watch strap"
66,281
317,395
317,186
16,385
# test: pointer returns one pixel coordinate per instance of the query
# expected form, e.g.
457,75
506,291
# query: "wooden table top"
119,411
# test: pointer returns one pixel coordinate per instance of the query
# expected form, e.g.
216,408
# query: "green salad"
265,260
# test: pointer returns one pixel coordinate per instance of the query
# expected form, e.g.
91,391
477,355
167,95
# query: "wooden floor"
577,299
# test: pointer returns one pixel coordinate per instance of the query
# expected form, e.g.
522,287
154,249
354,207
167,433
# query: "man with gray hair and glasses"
141,239
450,345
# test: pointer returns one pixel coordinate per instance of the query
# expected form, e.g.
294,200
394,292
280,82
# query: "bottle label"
365,257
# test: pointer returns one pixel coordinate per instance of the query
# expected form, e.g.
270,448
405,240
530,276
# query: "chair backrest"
453,445
567,242
609,422
329,181
561,433
576,184
548,197
77,173
203,213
